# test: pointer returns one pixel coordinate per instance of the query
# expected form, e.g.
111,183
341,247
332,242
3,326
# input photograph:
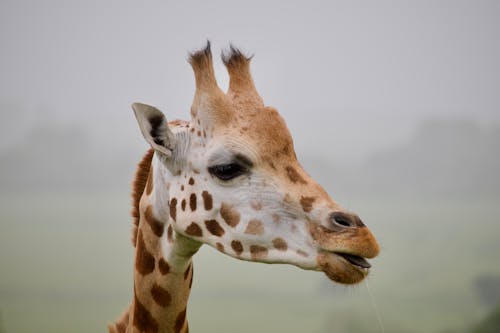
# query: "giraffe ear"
154,128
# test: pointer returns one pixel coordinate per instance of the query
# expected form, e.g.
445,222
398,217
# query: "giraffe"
228,178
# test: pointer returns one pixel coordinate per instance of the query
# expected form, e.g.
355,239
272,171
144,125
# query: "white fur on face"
267,229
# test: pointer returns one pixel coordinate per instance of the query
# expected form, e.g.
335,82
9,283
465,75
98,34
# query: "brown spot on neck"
183,204
255,227
143,320
179,322
294,176
191,181
161,296
307,203
163,266
156,225
144,261
214,228
230,215
207,200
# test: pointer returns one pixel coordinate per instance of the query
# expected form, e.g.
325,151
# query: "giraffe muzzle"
344,243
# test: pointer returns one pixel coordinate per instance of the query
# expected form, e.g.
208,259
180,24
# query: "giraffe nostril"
345,220
342,220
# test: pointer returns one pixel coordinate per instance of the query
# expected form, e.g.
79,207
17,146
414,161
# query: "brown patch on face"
214,228
182,187
302,253
179,322
219,247
191,181
258,252
207,200
160,295
255,227
173,208
192,202
256,205
170,233
149,185
157,226
194,230
280,244
183,204
186,272
144,261
294,176
230,215
307,203
237,247
143,320
163,266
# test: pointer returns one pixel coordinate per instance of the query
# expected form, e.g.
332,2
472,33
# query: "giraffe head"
230,178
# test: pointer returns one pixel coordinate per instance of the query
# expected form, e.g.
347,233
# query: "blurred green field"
66,266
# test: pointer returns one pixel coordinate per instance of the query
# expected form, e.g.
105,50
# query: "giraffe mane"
138,186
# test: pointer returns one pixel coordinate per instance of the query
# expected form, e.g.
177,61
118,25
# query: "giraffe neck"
163,269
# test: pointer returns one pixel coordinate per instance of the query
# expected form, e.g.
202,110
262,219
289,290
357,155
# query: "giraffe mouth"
355,260
342,267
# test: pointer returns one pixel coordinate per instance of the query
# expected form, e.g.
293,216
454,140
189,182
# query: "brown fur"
160,295
179,322
143,320
194,230
138,185
145,261
214,228
237,247
230,215
163,266
258,252
307,203
173,208
156,225
280,244
254,227
207,200
192,202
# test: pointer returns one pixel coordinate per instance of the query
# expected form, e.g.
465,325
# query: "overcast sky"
350,77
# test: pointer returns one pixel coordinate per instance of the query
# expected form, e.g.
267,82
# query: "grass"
66,266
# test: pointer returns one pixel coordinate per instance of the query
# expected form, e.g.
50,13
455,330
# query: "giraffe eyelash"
228,171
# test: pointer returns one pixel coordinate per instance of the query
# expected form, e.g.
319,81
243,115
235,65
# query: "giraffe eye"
227,171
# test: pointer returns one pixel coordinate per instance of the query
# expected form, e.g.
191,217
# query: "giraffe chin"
339,270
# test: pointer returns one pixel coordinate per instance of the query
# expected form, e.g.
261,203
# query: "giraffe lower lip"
355,260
